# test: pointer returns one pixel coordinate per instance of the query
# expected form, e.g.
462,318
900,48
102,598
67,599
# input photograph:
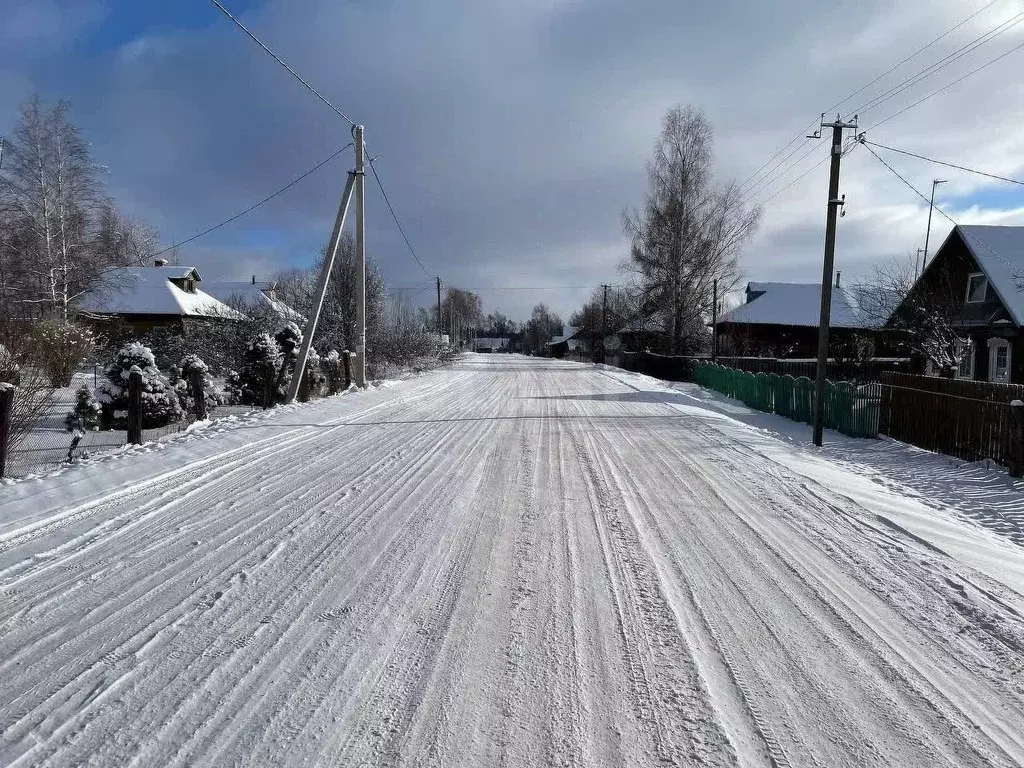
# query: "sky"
510,136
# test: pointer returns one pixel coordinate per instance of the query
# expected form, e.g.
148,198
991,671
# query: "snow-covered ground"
512,562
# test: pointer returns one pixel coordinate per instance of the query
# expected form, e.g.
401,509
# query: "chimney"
254,279
838,275
160,262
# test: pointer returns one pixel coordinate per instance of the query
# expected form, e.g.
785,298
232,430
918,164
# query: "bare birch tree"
689,231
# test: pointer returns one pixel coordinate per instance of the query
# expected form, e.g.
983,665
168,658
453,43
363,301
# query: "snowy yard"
515,562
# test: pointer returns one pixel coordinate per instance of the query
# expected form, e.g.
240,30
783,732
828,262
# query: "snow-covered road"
514,562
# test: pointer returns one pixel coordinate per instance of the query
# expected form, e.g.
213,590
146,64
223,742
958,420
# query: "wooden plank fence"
968,419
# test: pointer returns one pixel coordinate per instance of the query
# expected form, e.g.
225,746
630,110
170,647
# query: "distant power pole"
714,319
604,320
360,172
2,142
834,203
917,263
928,232
440,334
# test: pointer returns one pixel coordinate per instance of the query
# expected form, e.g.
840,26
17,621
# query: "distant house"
559,346
489,344
975,281
161,296
255,295
781,320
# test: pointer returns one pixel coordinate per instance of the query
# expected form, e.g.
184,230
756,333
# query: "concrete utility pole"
917,263
440,334
360,173
928,232
321,290
834,203
714,319
2,142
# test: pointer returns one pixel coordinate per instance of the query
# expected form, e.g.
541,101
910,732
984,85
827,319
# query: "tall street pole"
928,232
834,202
321,290
440,333
359,375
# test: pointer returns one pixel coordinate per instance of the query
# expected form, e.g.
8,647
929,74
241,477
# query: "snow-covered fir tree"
258,377
160,404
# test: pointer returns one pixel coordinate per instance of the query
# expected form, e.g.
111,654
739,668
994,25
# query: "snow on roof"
797,304
570,331
999,252
252,293
149,291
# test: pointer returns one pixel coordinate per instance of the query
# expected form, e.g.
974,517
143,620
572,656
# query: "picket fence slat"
849,409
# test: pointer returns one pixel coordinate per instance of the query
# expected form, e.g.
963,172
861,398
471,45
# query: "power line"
397,222
868,85
280,61
918,192
941,64
251,208
936,92
762,188
914,55
794,181
940,162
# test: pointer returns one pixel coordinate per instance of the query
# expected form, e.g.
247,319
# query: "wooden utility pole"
714,319
7,392
834,203
360,372
135,406
321,290
440,334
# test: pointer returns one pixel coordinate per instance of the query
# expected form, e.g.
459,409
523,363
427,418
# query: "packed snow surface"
513,562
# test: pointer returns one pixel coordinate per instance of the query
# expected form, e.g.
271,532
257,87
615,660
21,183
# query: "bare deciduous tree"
689,231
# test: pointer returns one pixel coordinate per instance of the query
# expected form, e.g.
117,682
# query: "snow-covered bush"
288,339
182,379
86,413
61,348
333,367
258,377
316,379
160,404
232,394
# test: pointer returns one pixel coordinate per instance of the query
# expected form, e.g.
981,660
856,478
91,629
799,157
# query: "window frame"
994,345
984,292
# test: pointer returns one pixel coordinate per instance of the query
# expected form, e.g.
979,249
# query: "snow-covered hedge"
160,405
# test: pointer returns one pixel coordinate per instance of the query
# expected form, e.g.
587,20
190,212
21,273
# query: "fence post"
6,408
346,358
1017,416
135,406
199,394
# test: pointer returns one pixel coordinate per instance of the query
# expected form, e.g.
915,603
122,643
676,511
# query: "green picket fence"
850,409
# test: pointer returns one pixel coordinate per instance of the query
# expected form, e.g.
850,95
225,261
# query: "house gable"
947,280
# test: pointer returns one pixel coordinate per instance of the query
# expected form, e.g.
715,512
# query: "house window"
999,359
966,368
976,285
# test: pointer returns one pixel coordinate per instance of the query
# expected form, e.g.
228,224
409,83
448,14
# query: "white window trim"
970,278
993,344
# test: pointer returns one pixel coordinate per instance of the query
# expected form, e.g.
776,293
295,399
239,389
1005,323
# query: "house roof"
796,304
570,332
999,252
149,291
253,293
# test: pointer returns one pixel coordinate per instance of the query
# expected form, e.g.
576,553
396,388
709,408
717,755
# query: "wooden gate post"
135,406
1017,436
346,358
199,394
6,408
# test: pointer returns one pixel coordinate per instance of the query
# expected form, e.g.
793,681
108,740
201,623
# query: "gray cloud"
511,136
